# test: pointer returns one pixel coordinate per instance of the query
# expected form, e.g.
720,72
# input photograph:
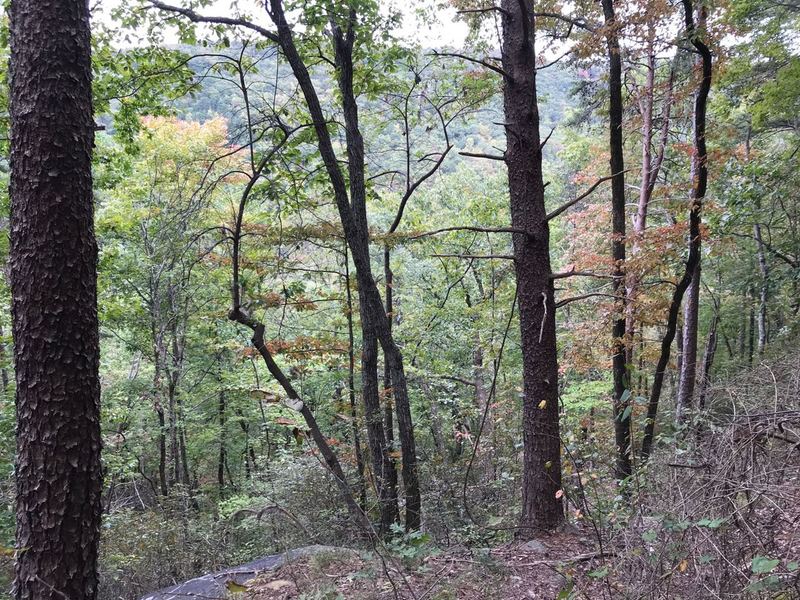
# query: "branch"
574,273
467,11
475,256
486,156
457,379
547,139
574,201
476,61
469,228
198,18
577,22
566,301
412,188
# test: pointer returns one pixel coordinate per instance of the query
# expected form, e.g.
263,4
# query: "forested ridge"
512,319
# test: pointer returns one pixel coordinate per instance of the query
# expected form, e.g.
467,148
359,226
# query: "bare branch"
469,228
566,301
198,18
475,256
574,273
486,156
476,61
467,11
574,201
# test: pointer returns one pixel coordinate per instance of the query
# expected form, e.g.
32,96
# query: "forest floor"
544,568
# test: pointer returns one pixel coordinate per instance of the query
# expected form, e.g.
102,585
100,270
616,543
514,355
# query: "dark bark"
53,276
354,223
622,395
699,172
162,450
239,315
541,508
221,417
351,387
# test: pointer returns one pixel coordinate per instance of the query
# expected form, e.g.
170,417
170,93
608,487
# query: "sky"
447,32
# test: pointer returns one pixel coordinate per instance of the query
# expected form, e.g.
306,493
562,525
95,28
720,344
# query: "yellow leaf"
684,564
543,404
235,587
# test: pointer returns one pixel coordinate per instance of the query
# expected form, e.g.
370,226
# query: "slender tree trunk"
688,373
351,387
53,277
221,417
762,263
541,506
4,380
388,404
699,173
708,359
751,331
162,450
763,294
622,394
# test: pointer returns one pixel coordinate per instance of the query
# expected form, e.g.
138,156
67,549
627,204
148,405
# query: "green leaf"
649,536
710,523
599,573
763,564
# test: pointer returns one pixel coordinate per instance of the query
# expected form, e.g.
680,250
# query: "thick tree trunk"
382,465
53,276
541,506
622,396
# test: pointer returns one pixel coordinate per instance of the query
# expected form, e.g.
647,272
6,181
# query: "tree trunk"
162,450
352,213
541,506
763,293
699,171
688,373
622,394
708,359
351,387
53,276
221,417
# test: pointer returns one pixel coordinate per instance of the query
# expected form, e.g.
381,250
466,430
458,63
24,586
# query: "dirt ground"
540,569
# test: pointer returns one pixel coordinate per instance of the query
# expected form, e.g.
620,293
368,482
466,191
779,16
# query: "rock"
535,546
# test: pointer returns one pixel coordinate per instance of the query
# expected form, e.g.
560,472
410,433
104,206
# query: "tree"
541,497
699,173
622,394
53,264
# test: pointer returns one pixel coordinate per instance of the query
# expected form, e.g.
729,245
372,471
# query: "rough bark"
53,276
541,508
622,396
